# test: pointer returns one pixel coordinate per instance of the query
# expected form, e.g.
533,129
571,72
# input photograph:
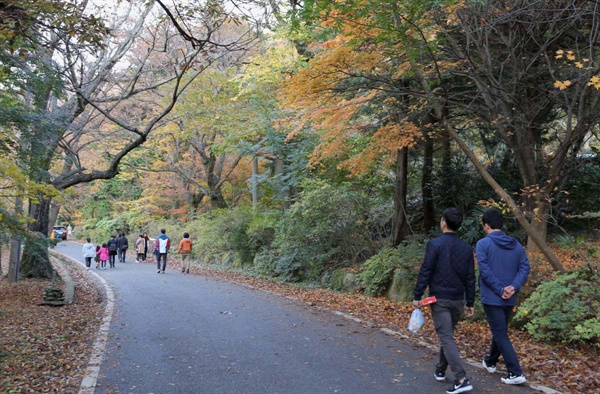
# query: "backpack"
112,246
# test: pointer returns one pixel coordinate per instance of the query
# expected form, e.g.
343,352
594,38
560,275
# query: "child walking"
97,256
104,255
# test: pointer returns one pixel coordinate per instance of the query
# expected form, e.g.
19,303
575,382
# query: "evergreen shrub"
377,272
565,309
324,230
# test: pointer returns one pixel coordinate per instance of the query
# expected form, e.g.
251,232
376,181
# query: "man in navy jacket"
503,269
448,270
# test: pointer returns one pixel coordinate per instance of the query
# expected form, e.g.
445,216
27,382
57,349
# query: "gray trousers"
446,314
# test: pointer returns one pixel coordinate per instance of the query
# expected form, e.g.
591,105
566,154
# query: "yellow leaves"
595,82
562,85
583,64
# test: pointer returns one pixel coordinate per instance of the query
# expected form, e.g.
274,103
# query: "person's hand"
417,304
509,291
469,311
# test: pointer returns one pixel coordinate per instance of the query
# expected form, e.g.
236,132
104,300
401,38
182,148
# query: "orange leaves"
385,142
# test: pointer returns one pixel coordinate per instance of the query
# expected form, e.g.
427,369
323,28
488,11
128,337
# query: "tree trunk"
539,223
400,190
254,186
15,247
54,210
14,262
36,262
531,232
426,186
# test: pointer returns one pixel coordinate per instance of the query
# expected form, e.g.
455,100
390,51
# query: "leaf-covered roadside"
560,367
46,349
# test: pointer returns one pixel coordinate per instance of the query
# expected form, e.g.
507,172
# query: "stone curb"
64,274
90,378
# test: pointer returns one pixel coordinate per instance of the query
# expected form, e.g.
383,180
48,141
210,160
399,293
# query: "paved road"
176,333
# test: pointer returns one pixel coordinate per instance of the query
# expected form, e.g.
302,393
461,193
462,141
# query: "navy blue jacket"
448,269
502,262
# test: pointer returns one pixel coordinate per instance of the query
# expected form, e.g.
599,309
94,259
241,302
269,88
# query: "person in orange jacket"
185,250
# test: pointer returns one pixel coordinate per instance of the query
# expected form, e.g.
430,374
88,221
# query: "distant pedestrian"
448,270
97,257
146,246
185,250
503,269
139,249
113,247
163,245
104,254
89,252
122,246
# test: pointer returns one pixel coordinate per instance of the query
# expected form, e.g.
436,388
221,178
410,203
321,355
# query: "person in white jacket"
89,252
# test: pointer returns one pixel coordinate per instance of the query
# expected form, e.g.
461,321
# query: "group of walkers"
116,248
448,270
449,273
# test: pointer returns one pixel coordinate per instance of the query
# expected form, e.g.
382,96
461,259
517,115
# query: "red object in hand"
428,300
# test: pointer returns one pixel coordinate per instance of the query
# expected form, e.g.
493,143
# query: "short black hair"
453,218
162,231
493,218
89,240
186,235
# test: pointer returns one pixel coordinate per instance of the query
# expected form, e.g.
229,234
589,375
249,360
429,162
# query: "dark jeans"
498,317
122,253
163,257
111,259
446,314
88,261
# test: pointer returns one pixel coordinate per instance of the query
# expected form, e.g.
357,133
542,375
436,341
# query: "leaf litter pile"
46,349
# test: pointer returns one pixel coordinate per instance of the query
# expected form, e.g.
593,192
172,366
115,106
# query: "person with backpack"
112,247
122,246
163,244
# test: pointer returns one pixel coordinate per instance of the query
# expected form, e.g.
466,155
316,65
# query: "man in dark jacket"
448,270
113,247
503,269
122,245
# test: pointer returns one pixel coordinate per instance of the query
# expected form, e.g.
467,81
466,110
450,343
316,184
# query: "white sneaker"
513,379
489,368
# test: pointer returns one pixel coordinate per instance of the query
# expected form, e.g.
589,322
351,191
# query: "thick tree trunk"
539,223
15,248
54,210
426,186
35,262
400,190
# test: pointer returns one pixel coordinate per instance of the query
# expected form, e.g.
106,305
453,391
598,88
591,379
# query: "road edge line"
90,378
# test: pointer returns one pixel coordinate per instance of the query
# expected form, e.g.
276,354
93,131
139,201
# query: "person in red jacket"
185,250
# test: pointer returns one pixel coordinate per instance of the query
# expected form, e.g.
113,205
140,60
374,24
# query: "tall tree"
116,95
491,66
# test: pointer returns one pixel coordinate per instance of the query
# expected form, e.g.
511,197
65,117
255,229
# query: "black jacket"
122,242
448,270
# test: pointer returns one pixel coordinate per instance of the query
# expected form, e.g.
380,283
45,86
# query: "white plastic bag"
416,321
